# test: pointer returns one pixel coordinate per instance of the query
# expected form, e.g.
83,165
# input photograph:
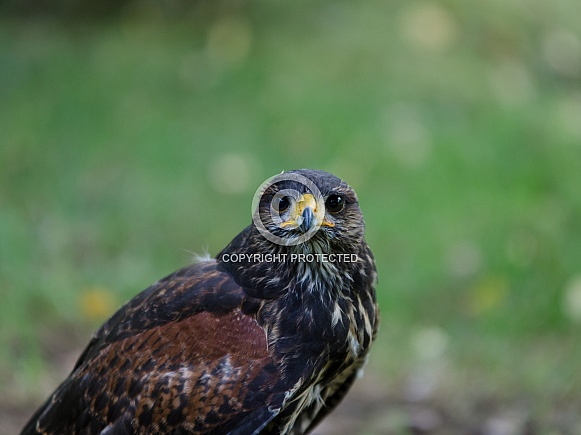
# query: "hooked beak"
307,220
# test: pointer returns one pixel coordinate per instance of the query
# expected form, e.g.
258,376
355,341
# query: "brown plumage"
241,347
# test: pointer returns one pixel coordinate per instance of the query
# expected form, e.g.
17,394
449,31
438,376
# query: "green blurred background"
133,134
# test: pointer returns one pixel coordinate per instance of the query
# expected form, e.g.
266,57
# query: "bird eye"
334,203
282,204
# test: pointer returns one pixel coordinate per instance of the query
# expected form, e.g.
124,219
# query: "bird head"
307,208
299,212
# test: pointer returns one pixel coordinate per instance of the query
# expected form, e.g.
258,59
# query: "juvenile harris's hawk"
266,338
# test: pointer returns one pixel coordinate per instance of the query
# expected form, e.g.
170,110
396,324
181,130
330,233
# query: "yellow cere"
306,200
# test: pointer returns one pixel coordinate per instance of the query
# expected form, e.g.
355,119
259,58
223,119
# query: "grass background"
130,140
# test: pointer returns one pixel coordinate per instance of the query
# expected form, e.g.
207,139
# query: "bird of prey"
265,338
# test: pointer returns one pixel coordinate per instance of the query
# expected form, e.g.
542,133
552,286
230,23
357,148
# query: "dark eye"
334,203
282,203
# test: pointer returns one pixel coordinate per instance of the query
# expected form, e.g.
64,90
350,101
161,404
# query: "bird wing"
187,356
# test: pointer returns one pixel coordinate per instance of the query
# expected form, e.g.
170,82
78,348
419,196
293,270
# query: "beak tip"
308,220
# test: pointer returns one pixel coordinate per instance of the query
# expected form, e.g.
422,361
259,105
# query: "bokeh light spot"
429,26
487,294
430,343
568,113
512,83
97,303
463,259
407,138
231,173
561,49
229,41
572,299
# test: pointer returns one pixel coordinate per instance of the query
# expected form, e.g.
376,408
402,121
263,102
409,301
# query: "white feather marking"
368,327
354,344
202,258
337,315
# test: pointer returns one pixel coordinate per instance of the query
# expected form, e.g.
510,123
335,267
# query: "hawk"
265,338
